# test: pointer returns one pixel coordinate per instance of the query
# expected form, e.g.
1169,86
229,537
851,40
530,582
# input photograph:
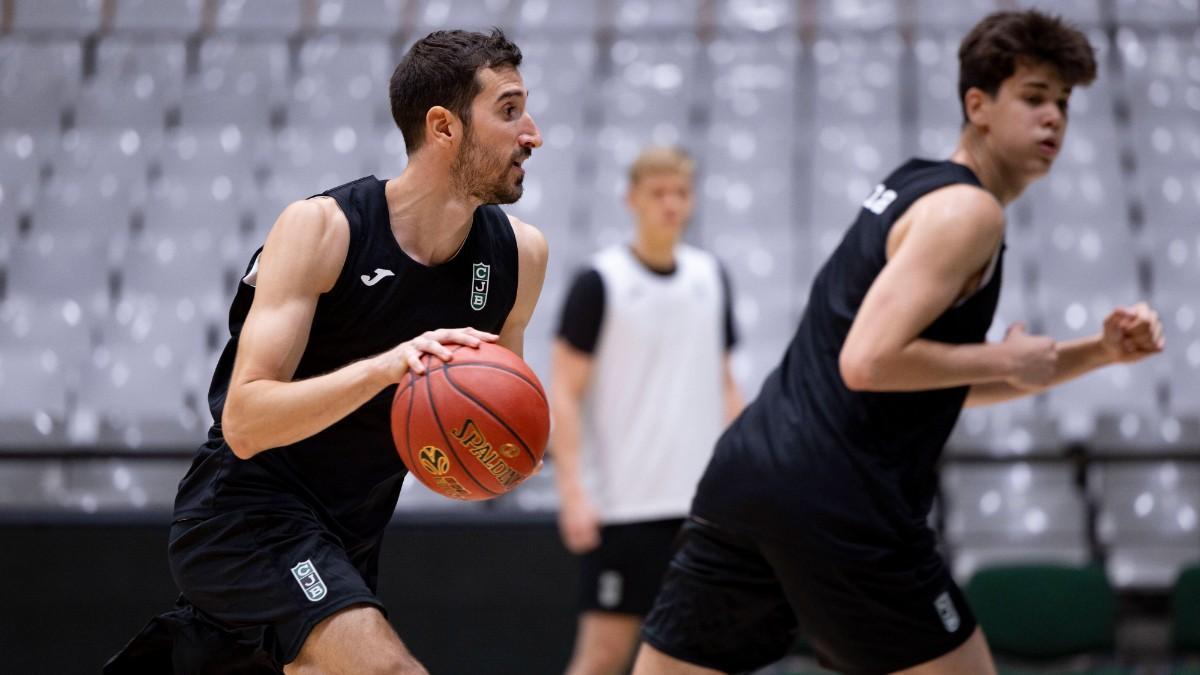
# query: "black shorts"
734,603
623,573
253,585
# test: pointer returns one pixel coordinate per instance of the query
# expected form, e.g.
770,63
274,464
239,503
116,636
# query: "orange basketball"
473,428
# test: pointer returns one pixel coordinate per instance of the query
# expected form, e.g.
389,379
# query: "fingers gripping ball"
473,428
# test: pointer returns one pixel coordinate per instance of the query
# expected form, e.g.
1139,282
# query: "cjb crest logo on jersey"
480,274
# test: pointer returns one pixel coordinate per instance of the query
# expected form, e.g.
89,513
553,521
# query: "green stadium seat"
1043,615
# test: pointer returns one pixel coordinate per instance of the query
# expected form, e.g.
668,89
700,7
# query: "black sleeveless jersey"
349,475
842,467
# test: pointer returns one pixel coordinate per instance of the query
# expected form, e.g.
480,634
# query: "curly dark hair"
990,52
440,69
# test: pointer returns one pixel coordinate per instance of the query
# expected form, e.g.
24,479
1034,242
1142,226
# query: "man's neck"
429,219
654,252
973,153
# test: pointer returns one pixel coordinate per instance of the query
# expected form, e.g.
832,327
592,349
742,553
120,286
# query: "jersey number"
880,199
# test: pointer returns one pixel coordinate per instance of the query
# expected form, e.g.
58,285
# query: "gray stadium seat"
173,17
1149,516
754,82
43,348
47,267
325,156
1179,368
342,82
261,17
465,14
237,83
650,84
22,156
1157,12
147,391
33,399
756,16
38,79
534,16
149,72
93,205
1115,391
1083,12
939,112
958,16
202,154
1014,512
187,269
360,16
114,159
108,485
30,485
860,15
73,17
635,15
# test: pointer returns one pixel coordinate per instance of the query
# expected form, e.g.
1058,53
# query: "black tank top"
350,474
838,461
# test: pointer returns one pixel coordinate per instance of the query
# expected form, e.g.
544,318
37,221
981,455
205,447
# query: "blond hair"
661,159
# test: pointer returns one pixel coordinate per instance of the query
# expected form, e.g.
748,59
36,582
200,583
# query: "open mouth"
1048,147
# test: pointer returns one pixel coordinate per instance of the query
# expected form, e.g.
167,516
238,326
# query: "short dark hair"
990,52
440,69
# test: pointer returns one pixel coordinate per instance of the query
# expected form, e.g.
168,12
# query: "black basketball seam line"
496,417
412,399
496,366
438,419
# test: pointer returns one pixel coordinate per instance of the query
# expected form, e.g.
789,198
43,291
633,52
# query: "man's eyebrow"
512,93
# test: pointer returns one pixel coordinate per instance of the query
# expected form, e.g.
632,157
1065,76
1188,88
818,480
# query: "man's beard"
484,178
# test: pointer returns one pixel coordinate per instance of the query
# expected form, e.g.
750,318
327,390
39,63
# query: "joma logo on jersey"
434,460
480,274
309,580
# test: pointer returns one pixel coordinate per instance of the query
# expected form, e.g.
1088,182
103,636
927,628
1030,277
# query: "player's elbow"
859,371
236,435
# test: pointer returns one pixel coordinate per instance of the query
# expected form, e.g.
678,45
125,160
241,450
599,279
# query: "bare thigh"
604,643
357,639
972,656
650,661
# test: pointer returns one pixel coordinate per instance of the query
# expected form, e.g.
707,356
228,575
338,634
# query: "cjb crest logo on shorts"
309,580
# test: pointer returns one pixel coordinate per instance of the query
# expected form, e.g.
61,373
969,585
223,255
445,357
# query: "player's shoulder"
961,203
531,243
313,220
313,235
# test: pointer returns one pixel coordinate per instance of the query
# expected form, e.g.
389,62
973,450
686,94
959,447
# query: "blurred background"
146,146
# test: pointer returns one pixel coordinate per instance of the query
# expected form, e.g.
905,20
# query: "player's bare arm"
732,394
533,254
302,259
570,372
937,253
1129,334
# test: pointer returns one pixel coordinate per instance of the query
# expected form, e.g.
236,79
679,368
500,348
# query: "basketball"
473,428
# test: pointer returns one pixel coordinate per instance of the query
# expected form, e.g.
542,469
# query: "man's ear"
442,127
978,105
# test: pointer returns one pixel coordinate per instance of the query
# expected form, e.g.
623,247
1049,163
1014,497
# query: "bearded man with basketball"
278,523
812,513
636,408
